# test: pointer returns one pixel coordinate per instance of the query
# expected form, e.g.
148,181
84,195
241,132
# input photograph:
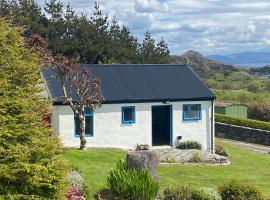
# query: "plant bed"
172,155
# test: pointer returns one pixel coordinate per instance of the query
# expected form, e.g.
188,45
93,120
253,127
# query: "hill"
203,66
255,59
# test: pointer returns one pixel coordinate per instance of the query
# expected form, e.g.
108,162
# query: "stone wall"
240,133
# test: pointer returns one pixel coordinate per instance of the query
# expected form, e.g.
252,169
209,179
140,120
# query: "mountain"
256,59
202,65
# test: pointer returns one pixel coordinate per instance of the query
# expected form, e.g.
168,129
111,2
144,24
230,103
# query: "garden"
246,167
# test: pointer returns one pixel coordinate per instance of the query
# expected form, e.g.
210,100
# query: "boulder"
147,160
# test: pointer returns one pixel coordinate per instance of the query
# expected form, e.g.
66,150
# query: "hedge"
242,122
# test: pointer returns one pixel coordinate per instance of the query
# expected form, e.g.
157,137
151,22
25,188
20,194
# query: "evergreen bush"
31,164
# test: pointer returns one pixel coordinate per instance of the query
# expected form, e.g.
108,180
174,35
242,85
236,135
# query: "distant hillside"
256,59
203,66
260,71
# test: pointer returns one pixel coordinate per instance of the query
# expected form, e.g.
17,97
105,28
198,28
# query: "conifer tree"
31,165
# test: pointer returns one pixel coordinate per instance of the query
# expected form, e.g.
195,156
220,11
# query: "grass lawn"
245,166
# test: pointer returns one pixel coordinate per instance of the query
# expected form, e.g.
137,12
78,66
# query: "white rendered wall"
110,132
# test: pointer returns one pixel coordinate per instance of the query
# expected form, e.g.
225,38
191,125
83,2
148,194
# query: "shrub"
243,122
182,192
219,150
131,183
74,193
235,190
31,162
189,145
196,157
76,182
211,194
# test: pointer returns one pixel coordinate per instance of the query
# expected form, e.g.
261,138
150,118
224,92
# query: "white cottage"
144,104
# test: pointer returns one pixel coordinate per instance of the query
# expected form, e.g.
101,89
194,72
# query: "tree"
148,49
74,79
254,86
31,164
162,53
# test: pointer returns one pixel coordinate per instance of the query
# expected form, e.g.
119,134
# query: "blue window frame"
128,115
88,123
192,112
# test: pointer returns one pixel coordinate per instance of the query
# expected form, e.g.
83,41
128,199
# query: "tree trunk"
82,131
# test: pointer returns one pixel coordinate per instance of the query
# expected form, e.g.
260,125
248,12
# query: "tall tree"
148,49
31,164
74,79
162,53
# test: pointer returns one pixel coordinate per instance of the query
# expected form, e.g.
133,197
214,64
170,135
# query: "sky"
207,26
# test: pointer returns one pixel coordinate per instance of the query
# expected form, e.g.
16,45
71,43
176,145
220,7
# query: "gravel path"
249,146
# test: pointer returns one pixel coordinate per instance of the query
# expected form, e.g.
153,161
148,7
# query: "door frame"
171,122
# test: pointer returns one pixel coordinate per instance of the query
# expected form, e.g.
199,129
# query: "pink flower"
74,193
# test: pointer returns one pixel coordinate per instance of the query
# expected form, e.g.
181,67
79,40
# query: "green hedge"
242,122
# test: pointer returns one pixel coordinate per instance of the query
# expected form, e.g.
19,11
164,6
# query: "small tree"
80,88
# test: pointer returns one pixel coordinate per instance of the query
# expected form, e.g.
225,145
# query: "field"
246,166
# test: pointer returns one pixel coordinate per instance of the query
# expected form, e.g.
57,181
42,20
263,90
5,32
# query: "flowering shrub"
78,189
74,193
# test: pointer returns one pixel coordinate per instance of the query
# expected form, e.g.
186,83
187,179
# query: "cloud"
209,26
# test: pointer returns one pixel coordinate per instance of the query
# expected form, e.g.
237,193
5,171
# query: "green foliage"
31,164
132,183
242,122
95,39
220,150
242,96
183,192
267,85
196,158
189,145
236,190
211,194
254,86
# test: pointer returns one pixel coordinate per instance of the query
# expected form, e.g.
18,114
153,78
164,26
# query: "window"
88,123
128,115
191,112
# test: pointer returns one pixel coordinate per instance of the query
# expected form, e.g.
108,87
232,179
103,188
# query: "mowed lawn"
246,166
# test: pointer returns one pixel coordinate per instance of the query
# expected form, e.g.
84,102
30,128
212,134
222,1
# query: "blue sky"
208,26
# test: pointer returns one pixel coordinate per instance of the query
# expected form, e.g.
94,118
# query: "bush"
219,150
189,145
31,162
211,194
243,122
131,183
235,190
182,192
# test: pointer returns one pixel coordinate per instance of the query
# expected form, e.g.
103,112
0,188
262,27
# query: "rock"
141,147
147,160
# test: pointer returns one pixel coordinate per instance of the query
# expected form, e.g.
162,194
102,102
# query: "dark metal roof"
141,83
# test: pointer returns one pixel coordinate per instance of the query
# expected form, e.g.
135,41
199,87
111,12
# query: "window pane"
76,126
192,111
128,114
89,125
